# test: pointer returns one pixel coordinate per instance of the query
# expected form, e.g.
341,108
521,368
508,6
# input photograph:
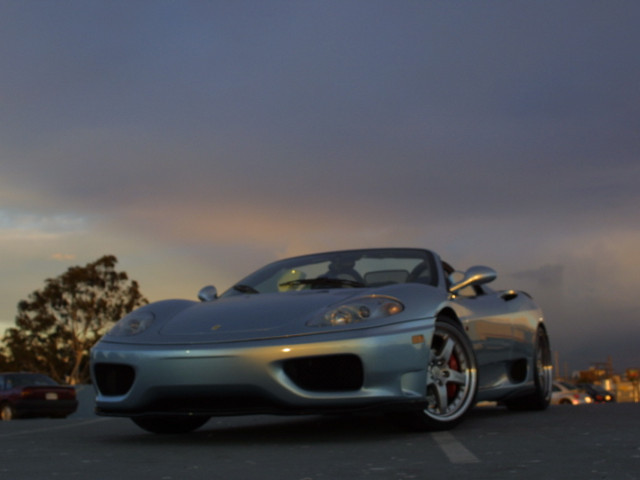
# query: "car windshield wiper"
244,288
323,281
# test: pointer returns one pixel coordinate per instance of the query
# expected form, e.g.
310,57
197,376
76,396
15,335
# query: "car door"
489,321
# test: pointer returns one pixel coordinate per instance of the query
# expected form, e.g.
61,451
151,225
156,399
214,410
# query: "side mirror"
474,276
208,293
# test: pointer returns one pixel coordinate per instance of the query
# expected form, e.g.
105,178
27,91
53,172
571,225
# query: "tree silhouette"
57,326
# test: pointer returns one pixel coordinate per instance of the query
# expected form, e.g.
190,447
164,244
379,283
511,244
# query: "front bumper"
306,374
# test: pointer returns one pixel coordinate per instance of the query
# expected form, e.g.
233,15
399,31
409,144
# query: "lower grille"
329,373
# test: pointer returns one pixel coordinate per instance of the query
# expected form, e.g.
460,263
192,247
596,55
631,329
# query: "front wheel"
170,424
452,378
7,413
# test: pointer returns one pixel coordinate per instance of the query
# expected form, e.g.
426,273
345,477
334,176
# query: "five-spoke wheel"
452,378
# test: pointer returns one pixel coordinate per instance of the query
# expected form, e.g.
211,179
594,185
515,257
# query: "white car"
566,394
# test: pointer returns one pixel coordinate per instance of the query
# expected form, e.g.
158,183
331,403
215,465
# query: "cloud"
197,142
63,257
29,226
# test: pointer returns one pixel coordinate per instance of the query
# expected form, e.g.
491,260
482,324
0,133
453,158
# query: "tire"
170,424
542,376
452,378
7,412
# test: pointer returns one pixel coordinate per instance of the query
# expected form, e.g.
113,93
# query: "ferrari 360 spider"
394,329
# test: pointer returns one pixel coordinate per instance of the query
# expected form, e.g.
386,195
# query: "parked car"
327,333
567,394
597,393
34,395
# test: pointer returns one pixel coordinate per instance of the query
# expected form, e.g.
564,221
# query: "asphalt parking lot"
587,442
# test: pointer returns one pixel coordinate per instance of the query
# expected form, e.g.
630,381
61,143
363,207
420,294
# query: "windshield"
347,269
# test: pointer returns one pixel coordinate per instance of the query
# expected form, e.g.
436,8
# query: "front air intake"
113,379
328,373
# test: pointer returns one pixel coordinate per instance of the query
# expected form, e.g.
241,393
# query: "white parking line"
56,427
453,449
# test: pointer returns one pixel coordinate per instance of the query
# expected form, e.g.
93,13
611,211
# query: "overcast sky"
197,141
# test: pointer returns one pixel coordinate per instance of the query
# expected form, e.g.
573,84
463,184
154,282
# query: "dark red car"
34,395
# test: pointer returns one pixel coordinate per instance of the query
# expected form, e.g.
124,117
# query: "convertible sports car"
392,329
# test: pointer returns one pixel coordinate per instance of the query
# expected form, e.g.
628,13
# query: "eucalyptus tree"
56,326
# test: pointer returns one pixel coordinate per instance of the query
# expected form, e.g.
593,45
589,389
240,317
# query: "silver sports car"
391,329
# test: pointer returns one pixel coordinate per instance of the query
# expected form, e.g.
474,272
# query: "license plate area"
51,396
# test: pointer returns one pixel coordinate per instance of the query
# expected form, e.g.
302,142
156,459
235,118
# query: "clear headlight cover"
358,310
132,324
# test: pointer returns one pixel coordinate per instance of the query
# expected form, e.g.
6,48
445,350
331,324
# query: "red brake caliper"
452,388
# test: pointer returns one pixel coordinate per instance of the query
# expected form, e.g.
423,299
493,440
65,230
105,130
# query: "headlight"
358,310
132,324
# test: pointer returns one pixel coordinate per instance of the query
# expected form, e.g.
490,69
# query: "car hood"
249,315
260,316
